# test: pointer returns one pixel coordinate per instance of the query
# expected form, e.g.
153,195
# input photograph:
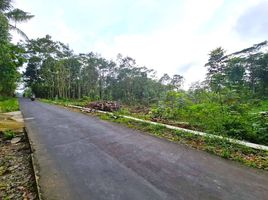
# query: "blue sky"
173,36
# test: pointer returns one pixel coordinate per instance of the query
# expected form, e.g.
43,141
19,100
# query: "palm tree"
14,15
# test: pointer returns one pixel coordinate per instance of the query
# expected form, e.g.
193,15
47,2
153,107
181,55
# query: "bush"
260,127
231,118
238,126
207,116
86,98
8,135
8,104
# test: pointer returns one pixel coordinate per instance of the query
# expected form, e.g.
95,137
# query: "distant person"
33,97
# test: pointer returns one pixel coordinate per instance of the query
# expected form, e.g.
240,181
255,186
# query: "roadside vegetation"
66,102
221,147
16,174
232,101
8,104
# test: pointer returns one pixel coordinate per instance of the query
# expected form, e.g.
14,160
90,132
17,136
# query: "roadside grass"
125,111
8,104
220,147
8,134
65,102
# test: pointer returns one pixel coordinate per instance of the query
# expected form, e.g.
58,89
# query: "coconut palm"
14,16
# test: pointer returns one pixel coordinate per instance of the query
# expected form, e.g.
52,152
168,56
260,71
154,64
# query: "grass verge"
221,147
64,102
8,104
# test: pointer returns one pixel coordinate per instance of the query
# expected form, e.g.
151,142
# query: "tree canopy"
11,56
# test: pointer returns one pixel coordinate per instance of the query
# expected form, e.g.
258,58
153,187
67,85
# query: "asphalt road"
81,157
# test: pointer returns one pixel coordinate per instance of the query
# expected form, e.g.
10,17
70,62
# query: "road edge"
236,141
51,183
34,164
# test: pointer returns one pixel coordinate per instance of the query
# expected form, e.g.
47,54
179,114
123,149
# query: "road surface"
81,157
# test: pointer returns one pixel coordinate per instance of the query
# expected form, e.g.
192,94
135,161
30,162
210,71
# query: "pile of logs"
109,106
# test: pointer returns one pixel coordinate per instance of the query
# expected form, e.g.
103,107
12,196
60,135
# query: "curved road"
81,157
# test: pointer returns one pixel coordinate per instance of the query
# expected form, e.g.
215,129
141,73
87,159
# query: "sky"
169,36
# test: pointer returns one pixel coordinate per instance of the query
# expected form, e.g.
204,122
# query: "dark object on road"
109,106
33,97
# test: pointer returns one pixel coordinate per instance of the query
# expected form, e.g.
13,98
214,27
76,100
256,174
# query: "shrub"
8,104
260,127
8,135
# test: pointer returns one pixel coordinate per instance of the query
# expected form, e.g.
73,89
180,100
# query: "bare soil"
16,173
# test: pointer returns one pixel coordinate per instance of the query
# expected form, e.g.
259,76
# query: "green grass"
8,104
65,102
8,135
221,147
263,106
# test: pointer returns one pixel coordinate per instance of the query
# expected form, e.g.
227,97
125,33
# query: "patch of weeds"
105,117
8,104
3,170
8,135
65,102
225,153
3,185
112,117
123,111
155,129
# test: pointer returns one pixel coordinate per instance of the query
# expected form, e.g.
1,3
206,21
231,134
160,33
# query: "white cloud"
183,37
53,23
169,49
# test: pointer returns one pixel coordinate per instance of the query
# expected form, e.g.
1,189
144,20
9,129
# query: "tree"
10,54
177,81
10,59
215,74
45,71
243,71
14,15
262,74
165,79
235,73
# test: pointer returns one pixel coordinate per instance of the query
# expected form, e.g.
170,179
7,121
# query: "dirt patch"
11,121
16,174
17,179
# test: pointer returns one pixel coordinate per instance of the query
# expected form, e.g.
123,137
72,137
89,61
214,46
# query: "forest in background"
231,101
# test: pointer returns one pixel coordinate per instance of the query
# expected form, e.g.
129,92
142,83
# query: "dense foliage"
232,101
10,54
8,104
53,70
